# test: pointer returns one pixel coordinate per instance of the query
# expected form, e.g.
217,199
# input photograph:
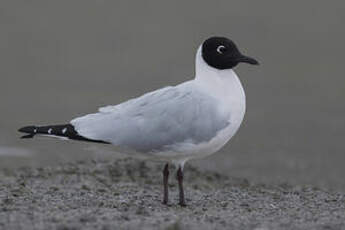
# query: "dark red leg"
165,183
179,177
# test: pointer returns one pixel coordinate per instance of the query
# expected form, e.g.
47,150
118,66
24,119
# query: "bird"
174,124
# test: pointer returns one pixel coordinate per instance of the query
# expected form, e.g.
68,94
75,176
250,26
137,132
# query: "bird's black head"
222,53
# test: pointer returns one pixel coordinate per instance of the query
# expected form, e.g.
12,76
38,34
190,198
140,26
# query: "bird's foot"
182,203
165,202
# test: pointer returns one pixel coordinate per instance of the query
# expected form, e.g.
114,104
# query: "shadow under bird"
173,124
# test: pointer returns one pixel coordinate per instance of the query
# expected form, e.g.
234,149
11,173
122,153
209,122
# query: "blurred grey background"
61,59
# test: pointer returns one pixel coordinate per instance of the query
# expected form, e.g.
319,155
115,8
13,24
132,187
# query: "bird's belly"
223,136
185,151
182,152
216,143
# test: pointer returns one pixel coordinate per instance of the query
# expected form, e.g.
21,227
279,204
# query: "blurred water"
62,59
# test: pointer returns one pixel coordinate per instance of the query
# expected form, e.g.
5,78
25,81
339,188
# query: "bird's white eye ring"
220,48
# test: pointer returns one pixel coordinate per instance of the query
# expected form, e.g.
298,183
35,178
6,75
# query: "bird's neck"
222,83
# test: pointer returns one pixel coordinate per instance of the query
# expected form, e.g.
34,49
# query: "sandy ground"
126,194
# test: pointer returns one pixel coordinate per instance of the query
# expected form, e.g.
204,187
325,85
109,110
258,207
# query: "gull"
173,124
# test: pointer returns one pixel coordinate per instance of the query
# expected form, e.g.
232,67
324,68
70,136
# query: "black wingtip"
66,130
27,129
27,136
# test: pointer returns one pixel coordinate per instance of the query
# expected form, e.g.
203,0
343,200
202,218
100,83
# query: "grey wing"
151,123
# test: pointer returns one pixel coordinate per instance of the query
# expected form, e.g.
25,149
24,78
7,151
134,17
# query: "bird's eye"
221,49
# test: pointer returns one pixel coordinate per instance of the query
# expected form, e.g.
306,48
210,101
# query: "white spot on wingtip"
35,130
50,131
64,130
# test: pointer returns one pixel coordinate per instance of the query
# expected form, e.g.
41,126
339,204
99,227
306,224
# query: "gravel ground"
126,194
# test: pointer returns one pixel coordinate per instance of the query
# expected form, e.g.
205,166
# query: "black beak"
246,59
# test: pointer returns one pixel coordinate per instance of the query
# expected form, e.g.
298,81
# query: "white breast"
227,88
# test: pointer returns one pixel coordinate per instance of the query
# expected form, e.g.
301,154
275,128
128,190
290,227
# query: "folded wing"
156,121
